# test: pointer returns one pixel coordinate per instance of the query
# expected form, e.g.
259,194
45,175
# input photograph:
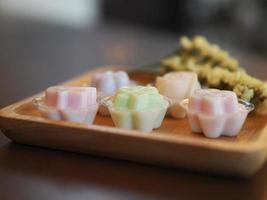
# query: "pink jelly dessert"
216,112
77,104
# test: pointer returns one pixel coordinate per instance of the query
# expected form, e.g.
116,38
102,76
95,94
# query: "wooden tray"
173,144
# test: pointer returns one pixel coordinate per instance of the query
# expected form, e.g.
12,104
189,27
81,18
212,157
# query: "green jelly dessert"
138,107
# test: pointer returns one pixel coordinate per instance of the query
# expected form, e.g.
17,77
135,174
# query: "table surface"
34,56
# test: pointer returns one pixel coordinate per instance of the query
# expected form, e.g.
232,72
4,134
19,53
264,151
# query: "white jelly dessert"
177,86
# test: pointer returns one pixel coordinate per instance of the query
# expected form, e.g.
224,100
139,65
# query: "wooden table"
34,56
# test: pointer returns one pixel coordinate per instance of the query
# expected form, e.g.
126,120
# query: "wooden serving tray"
173,144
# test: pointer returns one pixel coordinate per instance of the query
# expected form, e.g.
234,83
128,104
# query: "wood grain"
173,144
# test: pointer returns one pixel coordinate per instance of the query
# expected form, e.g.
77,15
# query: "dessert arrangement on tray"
177,93
200,111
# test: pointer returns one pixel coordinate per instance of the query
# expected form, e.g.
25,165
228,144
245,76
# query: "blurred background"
46,42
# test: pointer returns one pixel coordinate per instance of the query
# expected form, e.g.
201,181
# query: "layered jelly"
137,107
76,104
216,112
107,83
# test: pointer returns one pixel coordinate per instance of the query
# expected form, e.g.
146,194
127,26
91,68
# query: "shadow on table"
68,168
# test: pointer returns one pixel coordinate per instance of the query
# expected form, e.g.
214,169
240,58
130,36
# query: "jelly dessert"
107,83
137,107
216,112
76,104
177,86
